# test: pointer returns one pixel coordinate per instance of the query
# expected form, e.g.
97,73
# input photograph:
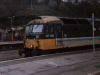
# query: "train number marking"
51,35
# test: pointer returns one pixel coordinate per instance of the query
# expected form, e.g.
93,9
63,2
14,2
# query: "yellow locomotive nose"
31,43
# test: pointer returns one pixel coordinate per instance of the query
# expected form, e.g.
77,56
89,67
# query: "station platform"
75,64
10,42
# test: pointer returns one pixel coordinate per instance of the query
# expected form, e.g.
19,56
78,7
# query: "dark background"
26,10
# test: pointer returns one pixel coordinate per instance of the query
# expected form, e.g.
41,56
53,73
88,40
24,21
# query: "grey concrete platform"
10,42
76,64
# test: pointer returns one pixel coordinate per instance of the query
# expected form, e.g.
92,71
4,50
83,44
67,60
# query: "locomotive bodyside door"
49,42
59,36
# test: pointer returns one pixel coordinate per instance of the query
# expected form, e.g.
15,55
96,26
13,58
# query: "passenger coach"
48,33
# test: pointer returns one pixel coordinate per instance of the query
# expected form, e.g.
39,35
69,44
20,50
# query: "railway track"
9,55
13,54
77,62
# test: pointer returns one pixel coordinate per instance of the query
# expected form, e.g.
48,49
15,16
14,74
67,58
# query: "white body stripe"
74,42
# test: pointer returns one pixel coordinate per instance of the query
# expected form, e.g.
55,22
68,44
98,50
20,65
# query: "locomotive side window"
28,29
47,29
73,31
51,28
31,27
58,28
58,31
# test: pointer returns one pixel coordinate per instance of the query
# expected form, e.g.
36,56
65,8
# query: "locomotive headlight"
31,46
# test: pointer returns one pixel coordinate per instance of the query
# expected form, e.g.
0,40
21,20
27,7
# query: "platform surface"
10,42
76,64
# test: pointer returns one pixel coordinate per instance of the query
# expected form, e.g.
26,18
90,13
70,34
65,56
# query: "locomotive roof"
59,20
45,19
75,20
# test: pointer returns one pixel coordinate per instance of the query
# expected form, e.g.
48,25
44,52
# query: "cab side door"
59,36
50,41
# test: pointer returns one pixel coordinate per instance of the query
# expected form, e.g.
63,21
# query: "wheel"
33,53
20,52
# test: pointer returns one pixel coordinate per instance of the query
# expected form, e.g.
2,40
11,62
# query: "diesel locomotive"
47,33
